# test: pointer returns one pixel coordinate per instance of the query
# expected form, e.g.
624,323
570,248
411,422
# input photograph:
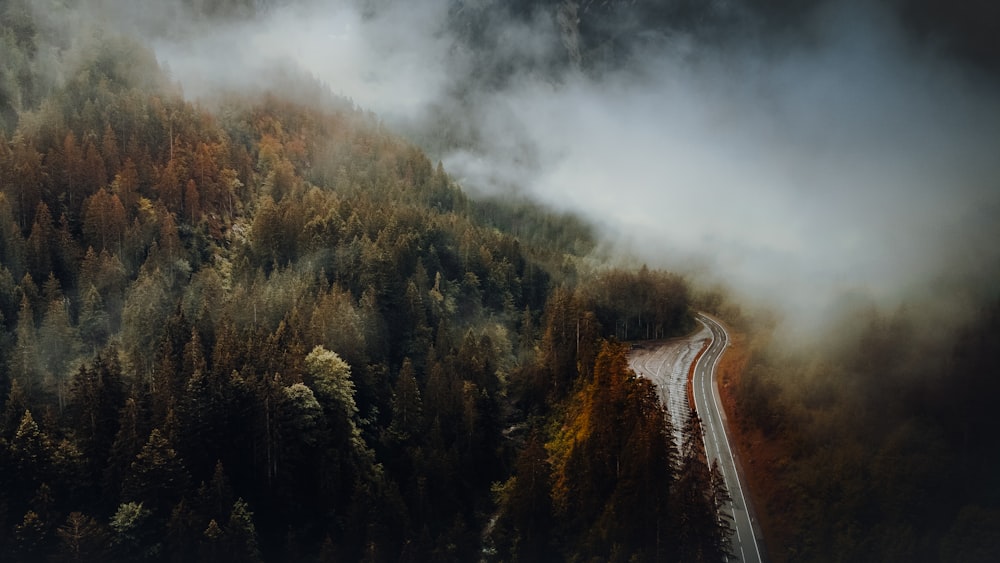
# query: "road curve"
708,405
667,364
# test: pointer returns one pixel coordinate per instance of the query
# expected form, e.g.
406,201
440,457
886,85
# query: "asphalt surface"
667,364
707,402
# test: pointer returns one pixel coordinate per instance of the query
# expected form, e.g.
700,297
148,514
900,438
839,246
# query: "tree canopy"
263,330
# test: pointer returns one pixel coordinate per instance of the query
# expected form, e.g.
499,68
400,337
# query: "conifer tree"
156,478
41,244
24,364
81,538
241,535
407,409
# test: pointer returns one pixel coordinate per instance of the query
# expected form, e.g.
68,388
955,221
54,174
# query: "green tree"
28,180
526,519
147,298
24,364
407,409
698,527
241,534
97,393
300,424
12,244
106,274
94,322
330,377
31,538
14,408
157,477
42,243
127,444
133,533
559,342
61,343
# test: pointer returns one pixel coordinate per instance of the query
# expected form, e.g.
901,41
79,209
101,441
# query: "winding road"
708,404
667,364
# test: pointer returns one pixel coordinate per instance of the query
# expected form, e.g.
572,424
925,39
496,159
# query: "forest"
265,328
264,325
883,441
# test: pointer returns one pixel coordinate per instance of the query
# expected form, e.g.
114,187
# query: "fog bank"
848,156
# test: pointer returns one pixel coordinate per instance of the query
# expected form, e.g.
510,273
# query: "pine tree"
97,393
24,364
330,377
81,538
42,243
14,408
126,186
217,495
31,452
31,538
192,202
407,410
104,222
527,506
156,478
94,322
241,534
28,179
133,533
12,244
698,527
127,444
62,346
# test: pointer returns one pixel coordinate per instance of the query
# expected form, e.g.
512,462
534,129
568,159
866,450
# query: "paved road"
707,403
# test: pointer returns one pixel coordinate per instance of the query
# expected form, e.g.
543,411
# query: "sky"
848,156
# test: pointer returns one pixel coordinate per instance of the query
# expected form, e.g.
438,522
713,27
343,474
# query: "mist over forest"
738,135
304,280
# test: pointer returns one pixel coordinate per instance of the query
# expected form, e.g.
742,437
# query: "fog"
844,157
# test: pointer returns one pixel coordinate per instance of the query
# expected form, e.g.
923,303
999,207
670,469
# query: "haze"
858,160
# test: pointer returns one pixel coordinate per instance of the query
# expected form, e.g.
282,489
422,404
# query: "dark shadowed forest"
883,442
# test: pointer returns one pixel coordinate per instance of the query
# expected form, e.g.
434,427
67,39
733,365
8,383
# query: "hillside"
260,328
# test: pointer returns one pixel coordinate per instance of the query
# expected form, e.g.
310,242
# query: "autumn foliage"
259,329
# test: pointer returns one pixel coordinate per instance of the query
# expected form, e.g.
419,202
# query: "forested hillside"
260,329
883,443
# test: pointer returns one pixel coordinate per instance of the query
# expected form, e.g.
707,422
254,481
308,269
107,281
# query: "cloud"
795,167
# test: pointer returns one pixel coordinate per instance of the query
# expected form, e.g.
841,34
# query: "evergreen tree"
41,244
127,444
156,478
14,408
527,506
407,410
133,533
96,395
94,322
59,339
24,364
32,452
699,528
81,538
241,535
31,538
